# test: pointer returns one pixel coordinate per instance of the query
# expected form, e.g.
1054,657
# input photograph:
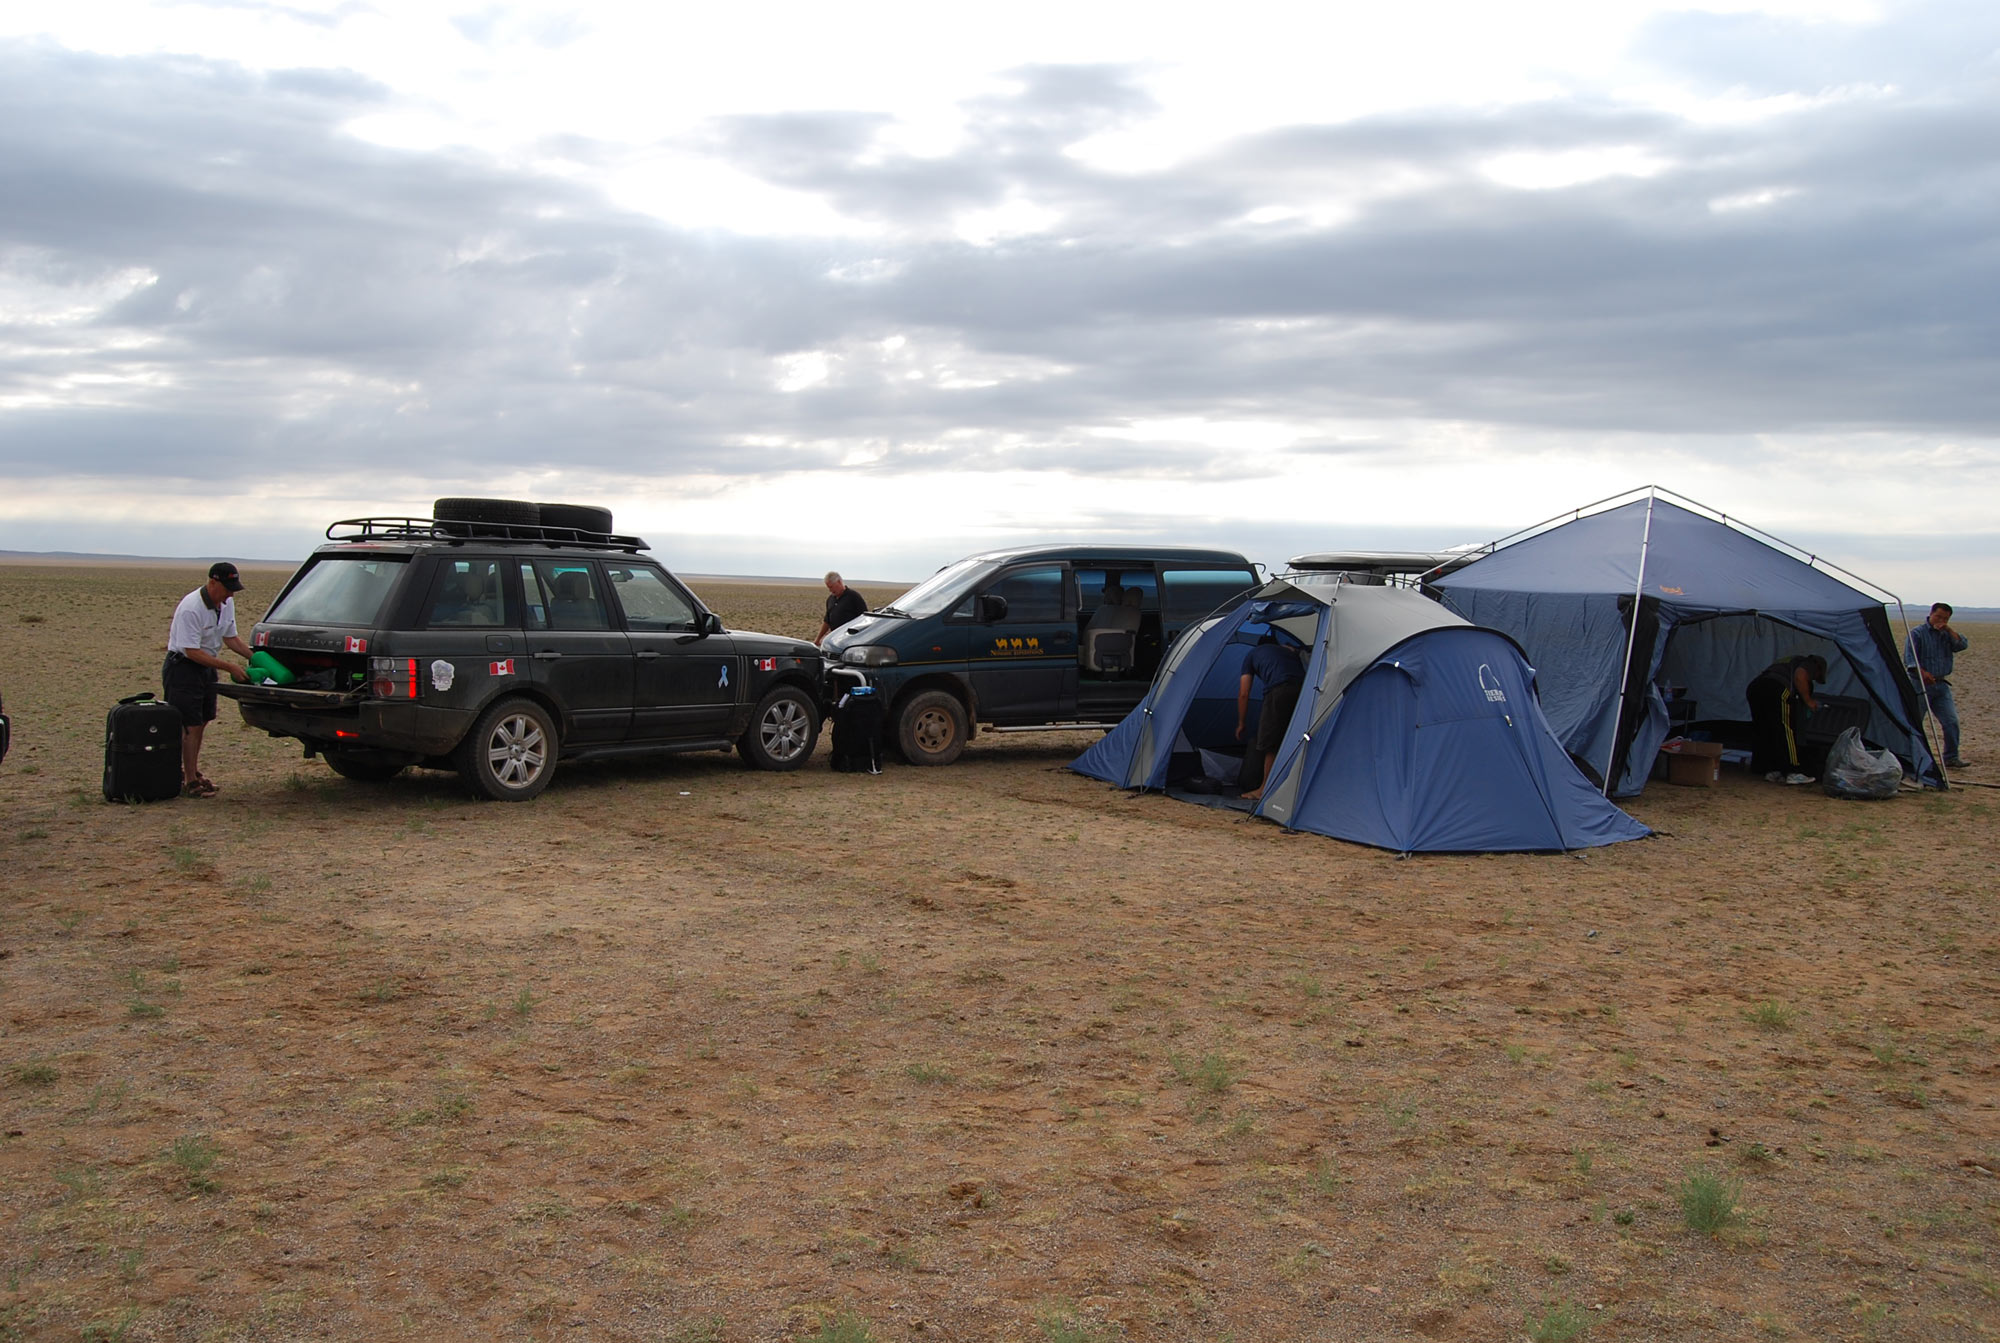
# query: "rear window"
340,590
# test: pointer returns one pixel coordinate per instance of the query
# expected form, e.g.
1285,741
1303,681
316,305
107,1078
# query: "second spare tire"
576,517
462,516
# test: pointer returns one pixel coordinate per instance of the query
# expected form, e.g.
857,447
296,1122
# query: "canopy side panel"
1576,644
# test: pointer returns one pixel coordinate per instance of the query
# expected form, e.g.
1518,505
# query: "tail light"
393,678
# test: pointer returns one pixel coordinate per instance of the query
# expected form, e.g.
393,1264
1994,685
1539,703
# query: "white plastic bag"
1854,771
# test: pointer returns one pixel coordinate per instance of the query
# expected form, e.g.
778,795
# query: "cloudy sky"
792,286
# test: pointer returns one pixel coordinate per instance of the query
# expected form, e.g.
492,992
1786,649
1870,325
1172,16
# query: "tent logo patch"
1491,685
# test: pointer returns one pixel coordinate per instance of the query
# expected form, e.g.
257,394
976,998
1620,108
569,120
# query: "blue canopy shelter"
1613,605
1415,732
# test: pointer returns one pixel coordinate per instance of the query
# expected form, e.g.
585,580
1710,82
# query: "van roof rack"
456,532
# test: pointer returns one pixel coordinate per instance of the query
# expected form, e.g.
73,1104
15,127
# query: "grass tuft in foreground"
1709,1201
1557,1323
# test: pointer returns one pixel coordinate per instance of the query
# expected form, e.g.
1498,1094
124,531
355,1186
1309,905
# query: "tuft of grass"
846,1327
32,617
524,1002
1708,1201
1061,1324
296,782
1211,1072
1557,1323
1770,1015
34,1074
1583,1159
113,1330
35,832
195,1155
185,859
929,1072
705,1330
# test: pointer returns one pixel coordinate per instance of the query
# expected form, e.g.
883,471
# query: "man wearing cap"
204,623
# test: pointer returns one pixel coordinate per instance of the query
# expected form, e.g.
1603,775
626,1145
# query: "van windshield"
339,590
942,590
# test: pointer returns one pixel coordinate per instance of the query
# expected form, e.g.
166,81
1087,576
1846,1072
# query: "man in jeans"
204,624
1929,653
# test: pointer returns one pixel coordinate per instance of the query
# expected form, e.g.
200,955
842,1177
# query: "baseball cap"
225,573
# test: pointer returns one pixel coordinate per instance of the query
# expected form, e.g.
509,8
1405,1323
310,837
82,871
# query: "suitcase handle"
142,696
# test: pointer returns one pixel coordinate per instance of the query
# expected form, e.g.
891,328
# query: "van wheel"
360,768
510,753
932,729
782,732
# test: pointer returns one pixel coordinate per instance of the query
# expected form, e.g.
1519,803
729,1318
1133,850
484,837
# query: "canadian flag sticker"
502,668
357,645
263,639
767,664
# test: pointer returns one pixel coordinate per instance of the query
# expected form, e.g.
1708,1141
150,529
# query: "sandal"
198,787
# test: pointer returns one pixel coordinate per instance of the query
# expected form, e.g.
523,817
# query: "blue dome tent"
1416,731
1715,605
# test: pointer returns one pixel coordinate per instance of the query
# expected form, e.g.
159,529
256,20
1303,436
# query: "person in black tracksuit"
1780,698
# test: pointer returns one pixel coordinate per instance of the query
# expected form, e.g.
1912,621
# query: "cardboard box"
1696,764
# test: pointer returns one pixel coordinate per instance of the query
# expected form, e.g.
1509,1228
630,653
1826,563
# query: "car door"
574,650
685,684
1022,649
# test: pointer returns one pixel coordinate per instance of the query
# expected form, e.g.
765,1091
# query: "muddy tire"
360,768
463,517
510,754
783,730
576,517
932,728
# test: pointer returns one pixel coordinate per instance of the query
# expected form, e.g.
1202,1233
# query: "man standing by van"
1277,666
203,625
842,605
1929,653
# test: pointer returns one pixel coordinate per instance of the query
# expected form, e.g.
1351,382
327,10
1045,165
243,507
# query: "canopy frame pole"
1915,676
1631,641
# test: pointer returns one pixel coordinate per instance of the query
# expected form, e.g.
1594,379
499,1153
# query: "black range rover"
497,647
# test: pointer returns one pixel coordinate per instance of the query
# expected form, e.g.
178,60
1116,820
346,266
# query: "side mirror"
992,610
710,623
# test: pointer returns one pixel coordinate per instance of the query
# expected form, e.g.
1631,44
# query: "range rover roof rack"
434,529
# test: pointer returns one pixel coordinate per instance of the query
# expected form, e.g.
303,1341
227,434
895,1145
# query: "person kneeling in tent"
1277,666
1780,698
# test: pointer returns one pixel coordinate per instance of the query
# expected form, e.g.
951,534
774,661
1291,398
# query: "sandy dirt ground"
681,1051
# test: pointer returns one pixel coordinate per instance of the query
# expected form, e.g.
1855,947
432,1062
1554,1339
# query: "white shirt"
195,626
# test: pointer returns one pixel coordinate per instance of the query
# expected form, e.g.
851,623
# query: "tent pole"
1631,639
1924,715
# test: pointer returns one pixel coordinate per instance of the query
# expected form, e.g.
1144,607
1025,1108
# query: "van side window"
535,602
466,595
1194,593
1033,595
1091,583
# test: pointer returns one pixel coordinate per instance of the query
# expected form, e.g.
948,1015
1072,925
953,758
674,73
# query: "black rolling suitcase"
142,750
857,732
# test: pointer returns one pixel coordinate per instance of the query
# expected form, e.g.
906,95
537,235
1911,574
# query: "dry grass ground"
681,1051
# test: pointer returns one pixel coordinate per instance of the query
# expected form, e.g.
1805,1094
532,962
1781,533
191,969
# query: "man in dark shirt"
1780,698
1928,653
1277,666
843,603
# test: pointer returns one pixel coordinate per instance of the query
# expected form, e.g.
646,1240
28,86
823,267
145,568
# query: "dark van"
1036,637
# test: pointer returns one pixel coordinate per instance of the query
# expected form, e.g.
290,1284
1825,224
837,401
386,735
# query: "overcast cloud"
1781,270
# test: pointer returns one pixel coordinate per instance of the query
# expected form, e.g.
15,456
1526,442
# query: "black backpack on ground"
142,750
857,732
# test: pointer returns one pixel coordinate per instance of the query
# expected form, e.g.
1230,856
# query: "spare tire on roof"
576,517
461,516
